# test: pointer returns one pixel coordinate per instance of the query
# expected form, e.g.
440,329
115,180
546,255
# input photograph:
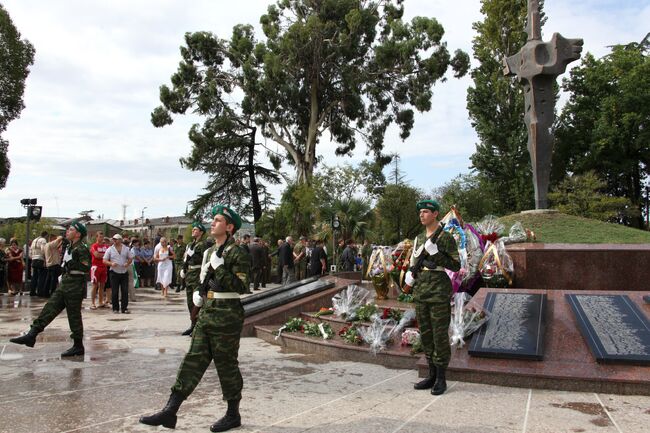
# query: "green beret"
199,225
230,214
79,227
432,205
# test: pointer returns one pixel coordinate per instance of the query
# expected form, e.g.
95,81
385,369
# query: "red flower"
492,237
386,313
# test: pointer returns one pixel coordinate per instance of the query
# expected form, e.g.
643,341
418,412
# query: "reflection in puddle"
150,351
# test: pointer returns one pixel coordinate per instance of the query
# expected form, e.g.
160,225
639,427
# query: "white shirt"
121,258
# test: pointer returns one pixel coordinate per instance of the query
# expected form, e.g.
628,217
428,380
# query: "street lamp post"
142,222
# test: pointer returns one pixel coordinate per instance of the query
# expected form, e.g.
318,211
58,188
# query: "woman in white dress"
164,256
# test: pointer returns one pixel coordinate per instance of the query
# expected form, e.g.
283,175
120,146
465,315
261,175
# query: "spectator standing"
338,255
258,262
146,271
266,275
300,259
52,254
366,252
98,271
163,255
286,261
38,266
133,273
348,258
119,258
278,262
3,264
318,259
15,267
179,250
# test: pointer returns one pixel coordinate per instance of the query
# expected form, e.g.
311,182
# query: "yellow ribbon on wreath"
493,249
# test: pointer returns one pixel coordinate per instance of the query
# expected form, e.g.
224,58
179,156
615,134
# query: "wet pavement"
131,361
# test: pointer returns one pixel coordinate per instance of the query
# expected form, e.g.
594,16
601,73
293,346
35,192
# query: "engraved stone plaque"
515,329
614,327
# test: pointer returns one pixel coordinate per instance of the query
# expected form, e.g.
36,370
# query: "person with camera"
225,276
69,295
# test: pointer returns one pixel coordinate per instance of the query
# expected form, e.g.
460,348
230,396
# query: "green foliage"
605,126
562,228
397,215
16,56
18,230
351,68
224,146
345,181
582,195
472,196
496,107
297,210
365,312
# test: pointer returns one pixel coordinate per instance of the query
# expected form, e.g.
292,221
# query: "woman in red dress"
15,268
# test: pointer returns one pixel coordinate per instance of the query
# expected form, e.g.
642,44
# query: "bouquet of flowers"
410,337
490,228
496,266
365,312
324,312
406,319
346,303
318,330
378,334
517,234
405,297
392,313
379,267
465,319
350,334
401,257
294,324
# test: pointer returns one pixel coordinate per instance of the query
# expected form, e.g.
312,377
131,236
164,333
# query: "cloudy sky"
85,141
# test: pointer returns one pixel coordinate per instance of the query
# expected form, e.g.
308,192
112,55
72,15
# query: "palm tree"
354,215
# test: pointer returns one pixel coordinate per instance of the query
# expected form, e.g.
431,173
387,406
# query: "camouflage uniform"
179,257
432,297
301,264
218,328
192,260
70,292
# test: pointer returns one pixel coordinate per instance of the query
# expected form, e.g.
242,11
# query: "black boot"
428,382
167,416
28,339
230,420
77,349
441,383
189,330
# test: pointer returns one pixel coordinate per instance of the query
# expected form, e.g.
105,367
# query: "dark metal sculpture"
536,66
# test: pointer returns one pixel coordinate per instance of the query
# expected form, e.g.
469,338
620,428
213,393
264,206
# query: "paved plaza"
131,361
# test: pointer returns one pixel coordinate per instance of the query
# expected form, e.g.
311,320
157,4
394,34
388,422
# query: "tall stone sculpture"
536,67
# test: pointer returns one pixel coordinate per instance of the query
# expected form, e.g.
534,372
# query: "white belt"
76,273
222,295
194,267
436,269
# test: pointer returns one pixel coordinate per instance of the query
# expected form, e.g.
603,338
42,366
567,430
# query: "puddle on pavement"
149,351
117,320
304,358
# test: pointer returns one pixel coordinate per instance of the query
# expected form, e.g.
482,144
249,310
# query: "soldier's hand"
197,299
408,279
182,273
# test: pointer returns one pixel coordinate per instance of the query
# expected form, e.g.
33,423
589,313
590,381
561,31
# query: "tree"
605,125
582,195
354,214
496,106
344,182
224,147
471,195
16,56
347,67
397,215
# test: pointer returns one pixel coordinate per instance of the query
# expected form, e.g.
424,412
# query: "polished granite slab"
515,329
614,328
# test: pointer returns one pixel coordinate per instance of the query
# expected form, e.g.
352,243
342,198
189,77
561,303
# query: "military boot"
167,416
77,349
428,382
441,383
28,339
230,420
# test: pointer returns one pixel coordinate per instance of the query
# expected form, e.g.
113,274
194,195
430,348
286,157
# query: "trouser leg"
194,364
50,310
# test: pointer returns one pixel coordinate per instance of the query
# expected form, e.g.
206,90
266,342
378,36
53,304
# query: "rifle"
209,283
419,264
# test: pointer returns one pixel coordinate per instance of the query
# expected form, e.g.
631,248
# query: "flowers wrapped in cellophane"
496,266
466,318
517,234
379,267
400,257
489,228
347,302
378,334
410,337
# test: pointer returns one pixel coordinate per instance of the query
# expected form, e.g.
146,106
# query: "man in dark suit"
258,262
318,260
286,261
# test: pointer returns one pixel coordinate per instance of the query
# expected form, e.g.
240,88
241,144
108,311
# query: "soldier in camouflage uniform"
192,260
300,259
179,257
432,294
69,294
226,275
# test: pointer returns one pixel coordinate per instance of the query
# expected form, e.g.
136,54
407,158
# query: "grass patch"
568,229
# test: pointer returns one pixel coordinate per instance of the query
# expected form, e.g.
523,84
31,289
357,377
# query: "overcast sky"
85,141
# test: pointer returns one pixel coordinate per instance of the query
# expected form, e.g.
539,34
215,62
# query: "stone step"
335,349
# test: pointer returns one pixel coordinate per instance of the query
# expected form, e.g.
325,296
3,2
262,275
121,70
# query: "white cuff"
408,279
431,248
197,299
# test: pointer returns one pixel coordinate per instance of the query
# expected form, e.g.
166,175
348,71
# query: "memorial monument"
536,67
